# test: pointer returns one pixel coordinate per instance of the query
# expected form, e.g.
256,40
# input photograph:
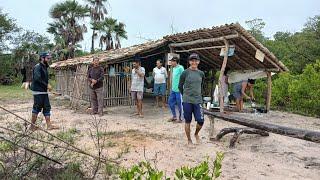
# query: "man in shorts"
160,75
190,86
40,87
137,85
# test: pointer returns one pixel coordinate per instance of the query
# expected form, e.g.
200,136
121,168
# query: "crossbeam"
199,41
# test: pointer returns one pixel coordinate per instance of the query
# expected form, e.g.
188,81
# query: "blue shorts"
237,88
159,89
195,109
41,103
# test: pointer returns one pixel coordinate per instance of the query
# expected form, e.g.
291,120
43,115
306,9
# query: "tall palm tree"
120,33
97,13
108,28
112,32
67,16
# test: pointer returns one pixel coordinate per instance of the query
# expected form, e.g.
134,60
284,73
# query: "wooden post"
211,130
223,67
269,84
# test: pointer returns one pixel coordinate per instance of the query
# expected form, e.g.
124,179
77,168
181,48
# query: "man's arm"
101,75
243,89
181,82
141,73
89,76
251,93
202,83
165,73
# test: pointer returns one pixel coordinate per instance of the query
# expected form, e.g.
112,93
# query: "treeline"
299,89
18,45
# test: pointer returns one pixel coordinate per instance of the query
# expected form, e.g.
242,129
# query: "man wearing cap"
40,87
95,78
137,85
190,86
175,97
159,89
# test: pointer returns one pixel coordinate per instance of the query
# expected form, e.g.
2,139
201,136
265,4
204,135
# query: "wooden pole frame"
223,67
269,87
199,41
195,49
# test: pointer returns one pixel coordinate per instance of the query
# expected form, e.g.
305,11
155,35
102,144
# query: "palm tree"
113,32
66,24
120,32
97,13
108,28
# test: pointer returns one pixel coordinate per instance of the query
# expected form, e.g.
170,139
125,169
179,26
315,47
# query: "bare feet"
197,139
172,119
134,114
51,127
33,128
141,116
190,142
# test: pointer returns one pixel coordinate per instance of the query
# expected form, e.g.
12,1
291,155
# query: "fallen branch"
54,136
30,150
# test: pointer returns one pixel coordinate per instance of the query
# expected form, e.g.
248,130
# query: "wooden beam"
269,84
266,57
313,136
199,41
195,49
223,67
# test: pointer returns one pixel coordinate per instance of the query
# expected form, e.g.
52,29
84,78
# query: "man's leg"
47,113
94,101
156,93
187,112
163,94
199,117
157,101
139,98
179,103
172,105
241,104
100,97
238,104
35,111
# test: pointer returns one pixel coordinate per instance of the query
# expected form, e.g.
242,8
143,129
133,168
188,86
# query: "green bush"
298,93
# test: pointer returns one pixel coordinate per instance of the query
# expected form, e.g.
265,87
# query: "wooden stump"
211,130
237,132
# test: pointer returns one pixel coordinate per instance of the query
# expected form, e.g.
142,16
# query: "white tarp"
245,75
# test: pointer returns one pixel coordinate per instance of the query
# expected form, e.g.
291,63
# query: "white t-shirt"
160,75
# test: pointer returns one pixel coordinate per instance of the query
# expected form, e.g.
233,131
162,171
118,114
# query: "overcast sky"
153,19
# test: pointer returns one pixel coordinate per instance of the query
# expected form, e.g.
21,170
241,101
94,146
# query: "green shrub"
298,93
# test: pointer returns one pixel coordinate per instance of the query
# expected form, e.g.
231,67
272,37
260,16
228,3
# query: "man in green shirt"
175,95
190,86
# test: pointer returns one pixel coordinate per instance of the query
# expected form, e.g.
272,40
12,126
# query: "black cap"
44,54
174,59
194,56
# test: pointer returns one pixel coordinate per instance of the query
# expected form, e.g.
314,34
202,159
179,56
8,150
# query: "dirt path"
152,138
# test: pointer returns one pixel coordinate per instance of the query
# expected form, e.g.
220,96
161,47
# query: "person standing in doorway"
190,86
175,98
137,85
95,78
159,89
40,87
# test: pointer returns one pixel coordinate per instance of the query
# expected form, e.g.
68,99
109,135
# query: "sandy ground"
152,138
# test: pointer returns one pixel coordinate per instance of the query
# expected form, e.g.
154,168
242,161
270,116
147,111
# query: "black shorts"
41,103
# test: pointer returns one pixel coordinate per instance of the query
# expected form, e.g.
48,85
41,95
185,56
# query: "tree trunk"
92,41
307,135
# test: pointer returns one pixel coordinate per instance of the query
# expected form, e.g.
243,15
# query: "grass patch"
14,92
69,135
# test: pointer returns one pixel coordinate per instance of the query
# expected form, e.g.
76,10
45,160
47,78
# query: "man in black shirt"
40,87
95,78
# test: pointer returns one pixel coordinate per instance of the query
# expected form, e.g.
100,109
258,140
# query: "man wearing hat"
40,87
190,86
175,97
